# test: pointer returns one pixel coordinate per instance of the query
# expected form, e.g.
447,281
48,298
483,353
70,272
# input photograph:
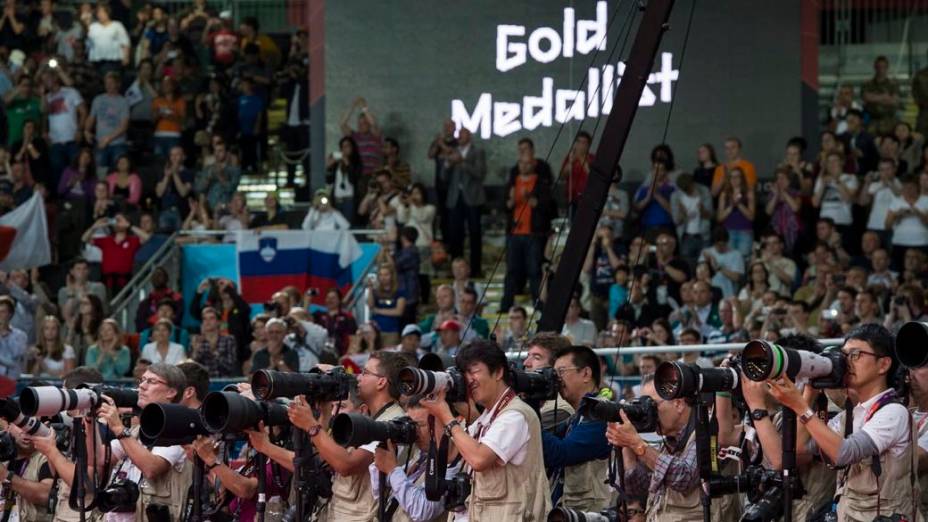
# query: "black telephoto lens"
538,385
674,380
229,412
122,397
316,386
912,344
353,430
170,424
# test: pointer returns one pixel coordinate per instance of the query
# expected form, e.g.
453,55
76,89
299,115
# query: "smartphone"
337,155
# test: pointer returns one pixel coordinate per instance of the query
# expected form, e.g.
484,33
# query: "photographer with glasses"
352,499
503,446
669,476
160,473
876,448
578,461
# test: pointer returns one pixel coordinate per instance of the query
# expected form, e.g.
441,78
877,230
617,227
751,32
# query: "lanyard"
882,401
504,401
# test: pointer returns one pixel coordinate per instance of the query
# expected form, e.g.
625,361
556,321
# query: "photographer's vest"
555,412
399,515
170,489
921,428
863,495
513,492
32,512
585,486
63,511
669,505
352,498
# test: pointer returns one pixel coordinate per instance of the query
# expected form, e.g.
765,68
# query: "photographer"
578,460
408,485
352,499
817,478
669,475
503,446
59,460
29,479
160,472
876,449
541,350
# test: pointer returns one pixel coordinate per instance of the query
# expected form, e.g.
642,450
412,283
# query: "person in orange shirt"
531,206
734,160
169,111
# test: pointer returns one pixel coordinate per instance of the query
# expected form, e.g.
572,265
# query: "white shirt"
62,114
106,42
331,219
343,188
832,204
731,260
909,230
883,195
919,417
176,353
507,436
692,218
888,428
174,455
582,332
422,218
53,367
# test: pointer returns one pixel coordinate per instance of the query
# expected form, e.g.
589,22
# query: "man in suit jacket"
467,171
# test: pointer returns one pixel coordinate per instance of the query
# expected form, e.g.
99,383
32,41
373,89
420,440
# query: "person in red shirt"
222,40
576,168
118,249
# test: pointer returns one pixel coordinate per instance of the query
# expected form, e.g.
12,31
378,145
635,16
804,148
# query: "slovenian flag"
271,260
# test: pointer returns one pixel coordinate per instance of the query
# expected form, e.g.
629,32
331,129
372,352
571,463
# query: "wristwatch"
215,464
759,414
641,448
124,434
807,416
314,430
450,427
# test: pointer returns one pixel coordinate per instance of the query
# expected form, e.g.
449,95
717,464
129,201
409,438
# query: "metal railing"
124,304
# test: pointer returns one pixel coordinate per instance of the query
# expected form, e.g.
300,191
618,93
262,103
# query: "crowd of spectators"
134,125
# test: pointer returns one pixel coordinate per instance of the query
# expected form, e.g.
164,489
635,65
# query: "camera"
565,514
762,360
229,412
642,412
912,344
675,380
355,430
47,401
8,449
316,386
414,381
900,300
170,424
536,386
119,497
763,488
457,489
9,410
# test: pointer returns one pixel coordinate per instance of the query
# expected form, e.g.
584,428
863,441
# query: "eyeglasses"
151,381
561,371
365,371
632,512
854,355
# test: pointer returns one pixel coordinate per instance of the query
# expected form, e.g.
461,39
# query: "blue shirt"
387,324
585,441
12,353
249,110
653,214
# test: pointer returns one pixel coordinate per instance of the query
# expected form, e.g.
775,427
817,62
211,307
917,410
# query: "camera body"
353,430
119,497
642,411
457,489
763,488
535,386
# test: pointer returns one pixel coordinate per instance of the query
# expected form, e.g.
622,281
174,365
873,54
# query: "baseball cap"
411,329
450,324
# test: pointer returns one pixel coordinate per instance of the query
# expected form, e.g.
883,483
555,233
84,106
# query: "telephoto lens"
229,412
538,385
676,380
762,360
9,410
565,514
47,401
642,411
316,386
353,430
122,397
912,345
170,424
418,382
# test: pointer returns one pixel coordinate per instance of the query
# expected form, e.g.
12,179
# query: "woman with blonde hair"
736,210
161,349
51,357
109,355
387,303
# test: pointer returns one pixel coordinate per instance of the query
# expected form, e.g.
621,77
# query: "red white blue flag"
271,260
